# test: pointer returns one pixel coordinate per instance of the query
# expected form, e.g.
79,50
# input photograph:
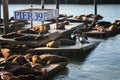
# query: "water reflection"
76,61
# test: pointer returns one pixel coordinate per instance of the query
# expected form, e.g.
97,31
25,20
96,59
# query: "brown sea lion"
113,27
40,28
53,58
67,42
26,77
19,24
40,37
101,29
25,38
16,48
27,31
12,35
36,59
53,44
61,26
105,24
28,57
7,77
5,52
11,57
39,67
21,70
62,15
66,22
20,60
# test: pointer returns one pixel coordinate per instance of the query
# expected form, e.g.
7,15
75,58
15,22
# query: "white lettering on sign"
36,15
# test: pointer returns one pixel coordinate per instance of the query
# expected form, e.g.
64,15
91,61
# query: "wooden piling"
5,16
0,8
57,7
42,3
95,7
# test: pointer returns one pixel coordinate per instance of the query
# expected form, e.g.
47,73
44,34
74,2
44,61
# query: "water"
102,63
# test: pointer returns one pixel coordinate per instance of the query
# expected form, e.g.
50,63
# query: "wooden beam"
5,16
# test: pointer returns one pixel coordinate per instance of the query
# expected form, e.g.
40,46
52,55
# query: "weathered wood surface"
54,68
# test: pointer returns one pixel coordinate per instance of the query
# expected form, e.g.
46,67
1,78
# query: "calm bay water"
102,63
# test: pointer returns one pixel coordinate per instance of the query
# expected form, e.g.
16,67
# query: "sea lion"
28,31
20,60
105,24
28,57
53,58
53,44
5,52
12,35
11,57
36,59
61,26
26,77
40,28
67,42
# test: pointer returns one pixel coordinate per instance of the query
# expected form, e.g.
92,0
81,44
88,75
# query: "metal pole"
5,16
57,7
95,7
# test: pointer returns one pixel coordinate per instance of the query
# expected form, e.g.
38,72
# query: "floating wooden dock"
67,49
106,34
52,35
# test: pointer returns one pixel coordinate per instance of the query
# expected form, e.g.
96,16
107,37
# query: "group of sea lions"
86,17
61,42
23,37
27,67
103,25
14,25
